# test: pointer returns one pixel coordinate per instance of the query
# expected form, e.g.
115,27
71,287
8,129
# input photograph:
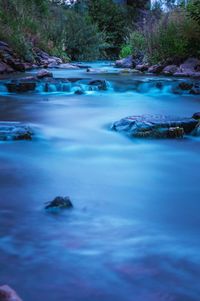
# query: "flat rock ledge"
158,126
12,131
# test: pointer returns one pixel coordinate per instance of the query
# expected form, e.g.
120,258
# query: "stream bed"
133,234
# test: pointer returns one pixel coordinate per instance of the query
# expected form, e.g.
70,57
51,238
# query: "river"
133,234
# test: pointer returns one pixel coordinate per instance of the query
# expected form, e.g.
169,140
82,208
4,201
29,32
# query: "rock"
170,70
155,126
53,65
3,67
196,116
181,74
81,66
14,131
59,203
157,69
18,86
3,44
8,294
195,90
44,73
79,91
185,85
189,66
18,66
125,63
100,84
142,67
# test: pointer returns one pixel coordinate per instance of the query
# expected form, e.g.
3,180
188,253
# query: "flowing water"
133,234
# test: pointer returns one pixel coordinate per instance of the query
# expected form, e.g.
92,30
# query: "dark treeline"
94,29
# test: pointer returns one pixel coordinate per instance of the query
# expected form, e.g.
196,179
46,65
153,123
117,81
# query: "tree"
110,19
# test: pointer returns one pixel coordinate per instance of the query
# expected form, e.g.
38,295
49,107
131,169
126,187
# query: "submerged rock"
185,85
100,84
8,294
155,126
59,203
20,86
14,131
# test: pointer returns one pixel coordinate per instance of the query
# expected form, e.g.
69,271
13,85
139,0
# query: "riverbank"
187,68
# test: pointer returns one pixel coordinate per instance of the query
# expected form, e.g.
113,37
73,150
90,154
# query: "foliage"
126,50
53,28
174,36
194,10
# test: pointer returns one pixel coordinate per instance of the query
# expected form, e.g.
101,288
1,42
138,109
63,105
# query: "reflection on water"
134,232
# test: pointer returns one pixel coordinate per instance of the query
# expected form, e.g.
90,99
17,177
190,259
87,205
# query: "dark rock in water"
195,90
100,84
59,203
125,63
196,116
20,86
79,92
44,73
185,85
14,131
8,294
155,126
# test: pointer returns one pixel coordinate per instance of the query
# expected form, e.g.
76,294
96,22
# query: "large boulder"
155,126
14,131
126,63
8,294
170,70
190,65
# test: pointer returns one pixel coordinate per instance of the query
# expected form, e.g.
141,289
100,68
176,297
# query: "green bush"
126,50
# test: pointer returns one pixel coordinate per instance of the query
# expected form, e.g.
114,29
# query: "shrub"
126,50
175,36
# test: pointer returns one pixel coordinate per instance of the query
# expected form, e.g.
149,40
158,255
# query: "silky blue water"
133,234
